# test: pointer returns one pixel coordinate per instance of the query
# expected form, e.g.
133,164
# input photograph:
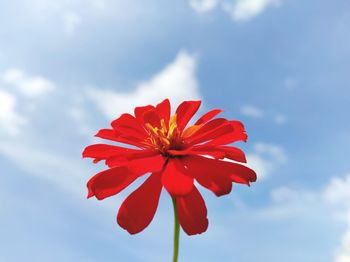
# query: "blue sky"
68,67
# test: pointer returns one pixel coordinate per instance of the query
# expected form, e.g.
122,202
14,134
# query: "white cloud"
46,164
258,113
275,151
343,252
244,10
22,147
79,114
289,203
38,159
10,120
240,10
337,196
31,86
333,199
283,194
202,6
266,158
261,166
338,192
298,214
98,4
176,81
71,21
252,111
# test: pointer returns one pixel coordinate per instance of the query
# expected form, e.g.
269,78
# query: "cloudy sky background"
68,67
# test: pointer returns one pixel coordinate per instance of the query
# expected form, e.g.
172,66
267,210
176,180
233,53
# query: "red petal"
238,134
103,151
242,174
108,134
185,112
217,154
192,151
233,153
236,172
113,135
120,159
151,117
220,152
127,124
110,182
192,213
212,134
139,112
208,116
138,209
163,110
208,175
147,164
209,126
174,180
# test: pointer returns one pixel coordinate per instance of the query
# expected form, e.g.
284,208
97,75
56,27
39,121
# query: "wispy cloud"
240,10
333,200
202,6
337,194
244,10
343,252
287,202
10,119
46,164
14,84
255,112
289,209
31,86
252,111
265,158
176,81
19,145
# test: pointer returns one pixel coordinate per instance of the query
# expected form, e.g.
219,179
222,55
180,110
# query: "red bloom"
175,155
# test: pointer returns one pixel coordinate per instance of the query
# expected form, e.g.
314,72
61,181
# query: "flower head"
175,156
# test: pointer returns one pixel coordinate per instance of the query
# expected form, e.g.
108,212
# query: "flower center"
165,137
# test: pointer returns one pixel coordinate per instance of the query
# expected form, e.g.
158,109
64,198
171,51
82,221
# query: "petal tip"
201,231
90,194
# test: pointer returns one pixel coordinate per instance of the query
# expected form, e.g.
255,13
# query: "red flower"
175,155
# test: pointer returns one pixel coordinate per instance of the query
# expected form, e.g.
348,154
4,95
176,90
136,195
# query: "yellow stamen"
165,141
163,126
152,129
172,125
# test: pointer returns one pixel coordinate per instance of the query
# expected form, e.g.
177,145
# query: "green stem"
176,233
